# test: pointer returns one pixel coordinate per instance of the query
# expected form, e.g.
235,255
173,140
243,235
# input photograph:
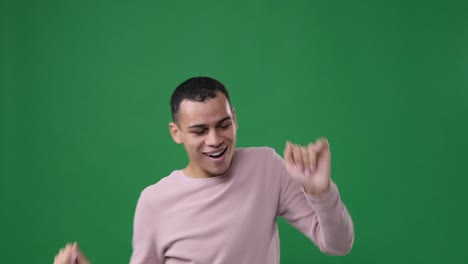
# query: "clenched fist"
309,165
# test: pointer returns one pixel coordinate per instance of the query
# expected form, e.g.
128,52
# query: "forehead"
210,111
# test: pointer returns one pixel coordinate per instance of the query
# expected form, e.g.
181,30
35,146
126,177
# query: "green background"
85,89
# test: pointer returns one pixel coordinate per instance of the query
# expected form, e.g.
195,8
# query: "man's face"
208,132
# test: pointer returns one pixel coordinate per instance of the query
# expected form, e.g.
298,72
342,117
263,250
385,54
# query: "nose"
214,139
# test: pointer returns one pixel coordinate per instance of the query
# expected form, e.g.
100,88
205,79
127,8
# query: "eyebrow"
203,125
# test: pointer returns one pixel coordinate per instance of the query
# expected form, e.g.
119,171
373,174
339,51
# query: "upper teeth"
215,153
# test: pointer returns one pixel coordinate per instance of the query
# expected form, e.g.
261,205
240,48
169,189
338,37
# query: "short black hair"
196,89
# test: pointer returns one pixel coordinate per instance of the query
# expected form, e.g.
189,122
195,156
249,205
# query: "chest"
217,223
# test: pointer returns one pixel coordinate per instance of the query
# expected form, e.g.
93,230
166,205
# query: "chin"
219,171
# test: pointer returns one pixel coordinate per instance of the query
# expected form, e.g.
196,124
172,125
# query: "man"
222,207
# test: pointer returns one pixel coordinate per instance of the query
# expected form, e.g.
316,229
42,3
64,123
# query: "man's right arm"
143,243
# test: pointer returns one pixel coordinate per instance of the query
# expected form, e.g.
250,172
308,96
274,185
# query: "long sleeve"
232,218
144,246
323,218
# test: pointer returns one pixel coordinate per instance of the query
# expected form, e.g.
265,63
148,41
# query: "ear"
175,133
234,117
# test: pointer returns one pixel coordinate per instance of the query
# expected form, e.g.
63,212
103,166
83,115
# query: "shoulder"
164,185
256,158
259,166
256,154
250,152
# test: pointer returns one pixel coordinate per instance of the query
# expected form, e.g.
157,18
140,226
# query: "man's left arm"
310,200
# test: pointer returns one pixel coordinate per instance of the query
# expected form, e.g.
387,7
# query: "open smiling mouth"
216,155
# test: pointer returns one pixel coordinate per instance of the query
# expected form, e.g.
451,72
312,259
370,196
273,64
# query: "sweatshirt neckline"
219,178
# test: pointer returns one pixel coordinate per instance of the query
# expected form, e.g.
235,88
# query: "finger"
59,257
312,157
320,144
305,160
67,253
63,257
80,257
324,158
297,156
324,154
74,253
288,153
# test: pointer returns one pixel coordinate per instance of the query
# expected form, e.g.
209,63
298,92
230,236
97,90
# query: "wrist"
314,190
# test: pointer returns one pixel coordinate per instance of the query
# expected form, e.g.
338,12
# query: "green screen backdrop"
84,103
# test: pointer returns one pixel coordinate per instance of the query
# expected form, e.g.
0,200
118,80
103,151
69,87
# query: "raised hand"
70,254
310,165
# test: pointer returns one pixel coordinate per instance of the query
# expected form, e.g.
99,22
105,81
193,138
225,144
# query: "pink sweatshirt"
232,218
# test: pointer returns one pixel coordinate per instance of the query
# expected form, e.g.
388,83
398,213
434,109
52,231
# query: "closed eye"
198,132
226,126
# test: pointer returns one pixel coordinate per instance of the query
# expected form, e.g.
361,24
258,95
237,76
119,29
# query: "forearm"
334,230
